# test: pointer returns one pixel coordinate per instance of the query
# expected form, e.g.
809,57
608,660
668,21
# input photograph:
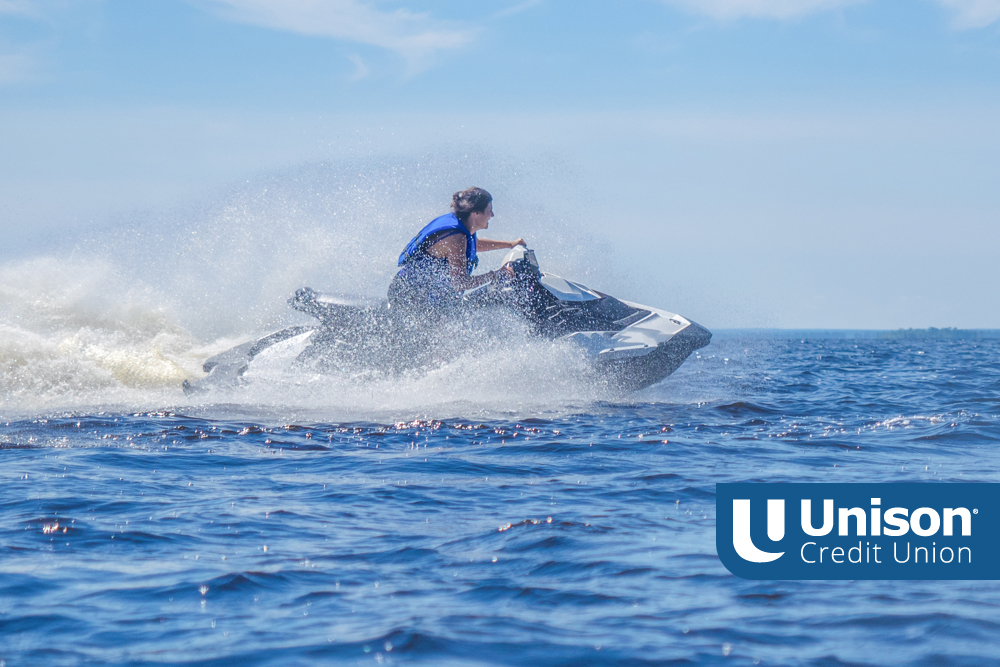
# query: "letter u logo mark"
741,530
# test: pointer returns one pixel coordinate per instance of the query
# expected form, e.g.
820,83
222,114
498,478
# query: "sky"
747,163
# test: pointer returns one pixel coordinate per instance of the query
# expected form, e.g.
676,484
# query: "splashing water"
119,319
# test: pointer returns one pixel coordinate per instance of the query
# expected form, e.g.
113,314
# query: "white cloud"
417,37
967,13
360,68
775,9
18,67
17,7
973,13
516,9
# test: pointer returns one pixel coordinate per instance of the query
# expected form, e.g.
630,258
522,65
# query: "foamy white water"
118,320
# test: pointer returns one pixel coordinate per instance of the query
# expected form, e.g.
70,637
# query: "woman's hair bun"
470,200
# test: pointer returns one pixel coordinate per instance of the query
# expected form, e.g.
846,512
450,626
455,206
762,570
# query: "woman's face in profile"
479,220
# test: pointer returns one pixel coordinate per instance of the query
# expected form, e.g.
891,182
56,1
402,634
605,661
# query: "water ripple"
228,535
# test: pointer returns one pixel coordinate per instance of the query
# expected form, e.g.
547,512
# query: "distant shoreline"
931,333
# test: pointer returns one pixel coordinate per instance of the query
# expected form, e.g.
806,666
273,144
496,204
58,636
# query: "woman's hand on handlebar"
504,274
514,244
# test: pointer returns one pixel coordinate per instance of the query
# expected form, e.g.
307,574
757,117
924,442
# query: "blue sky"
811,163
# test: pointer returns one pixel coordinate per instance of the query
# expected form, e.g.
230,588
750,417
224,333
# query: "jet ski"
629,346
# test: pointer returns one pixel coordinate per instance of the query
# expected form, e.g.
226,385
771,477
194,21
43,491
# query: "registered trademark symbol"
975,511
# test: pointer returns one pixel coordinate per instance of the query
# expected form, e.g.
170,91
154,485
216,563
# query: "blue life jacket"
419,243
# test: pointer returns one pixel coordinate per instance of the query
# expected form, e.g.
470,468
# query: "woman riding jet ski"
434,299
437,264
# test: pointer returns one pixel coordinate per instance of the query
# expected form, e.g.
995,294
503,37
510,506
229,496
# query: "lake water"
488,524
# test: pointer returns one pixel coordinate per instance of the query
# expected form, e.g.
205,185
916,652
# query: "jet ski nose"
698,333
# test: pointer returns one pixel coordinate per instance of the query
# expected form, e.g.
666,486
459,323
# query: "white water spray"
120,319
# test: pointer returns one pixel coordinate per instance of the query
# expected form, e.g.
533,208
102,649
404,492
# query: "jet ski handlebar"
523,262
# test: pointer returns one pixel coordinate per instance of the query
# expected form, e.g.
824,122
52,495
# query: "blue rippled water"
580,533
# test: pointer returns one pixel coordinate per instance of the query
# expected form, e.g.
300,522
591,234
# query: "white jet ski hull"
630,346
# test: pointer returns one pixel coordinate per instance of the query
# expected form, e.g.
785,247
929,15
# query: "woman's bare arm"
453,248
489,244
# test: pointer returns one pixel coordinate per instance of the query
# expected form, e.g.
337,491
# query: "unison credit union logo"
859,531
